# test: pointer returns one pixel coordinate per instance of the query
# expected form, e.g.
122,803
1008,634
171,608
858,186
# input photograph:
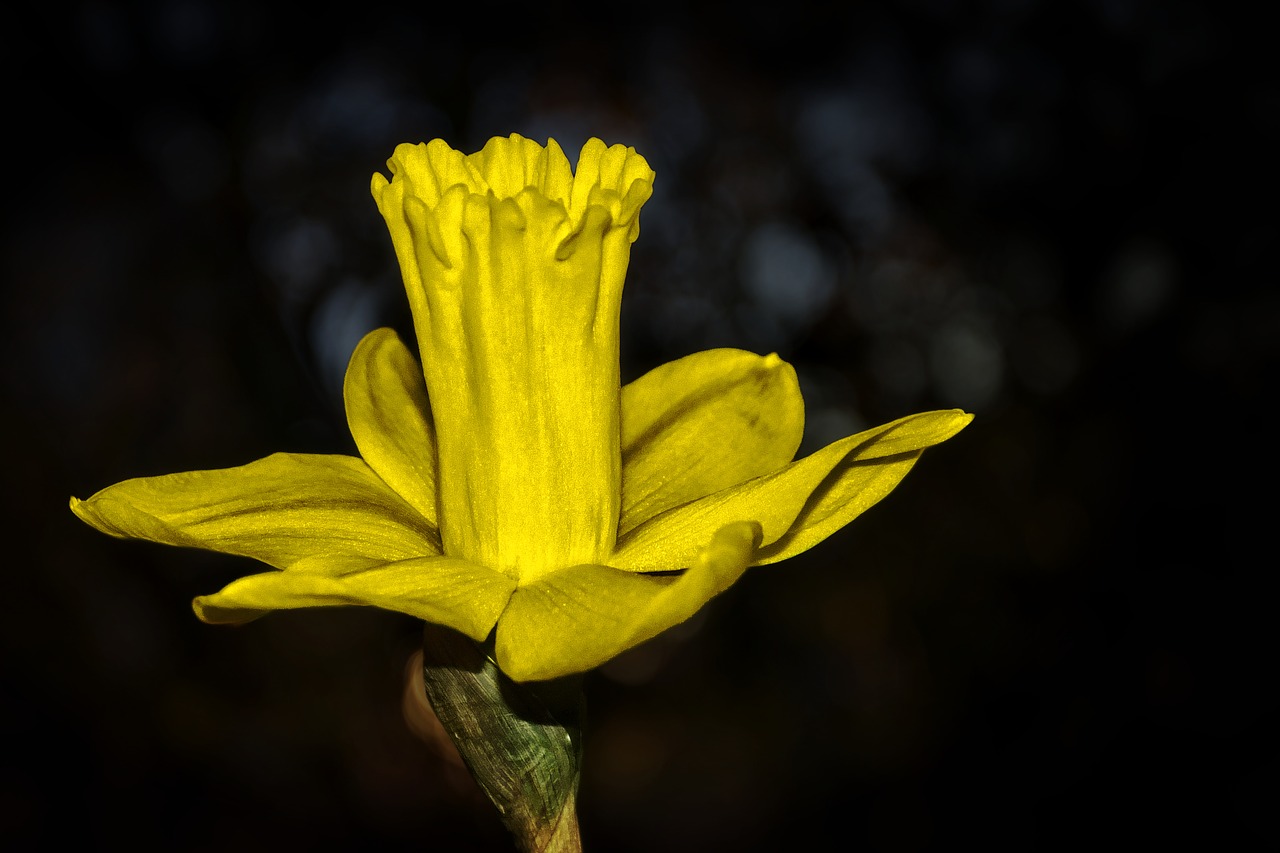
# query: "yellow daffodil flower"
510,482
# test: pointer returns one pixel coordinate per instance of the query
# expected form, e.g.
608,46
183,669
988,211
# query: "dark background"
1055,215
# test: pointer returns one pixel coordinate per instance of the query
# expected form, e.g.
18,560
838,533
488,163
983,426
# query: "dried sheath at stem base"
521,741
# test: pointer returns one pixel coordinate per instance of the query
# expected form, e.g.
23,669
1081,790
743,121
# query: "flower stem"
521,741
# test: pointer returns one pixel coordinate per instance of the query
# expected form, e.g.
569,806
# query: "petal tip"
210,613
81,510
962,419
90,511
199,608
524,665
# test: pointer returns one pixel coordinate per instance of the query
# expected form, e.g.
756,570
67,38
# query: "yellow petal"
442,590
867,466
331,510
390,418
514,271
851,488
577,618
704,423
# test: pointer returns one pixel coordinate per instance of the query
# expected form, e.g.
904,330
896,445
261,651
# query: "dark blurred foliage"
1055,215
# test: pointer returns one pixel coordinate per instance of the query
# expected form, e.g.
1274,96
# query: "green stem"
562,835
521,741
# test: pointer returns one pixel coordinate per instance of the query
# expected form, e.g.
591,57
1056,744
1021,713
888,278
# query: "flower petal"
442,590
390,418
704,423
789,502
578,618
330,510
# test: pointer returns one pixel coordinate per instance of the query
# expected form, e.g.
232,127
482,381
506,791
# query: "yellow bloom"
510,483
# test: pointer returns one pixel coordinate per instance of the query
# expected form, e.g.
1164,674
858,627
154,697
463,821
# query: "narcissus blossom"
508,482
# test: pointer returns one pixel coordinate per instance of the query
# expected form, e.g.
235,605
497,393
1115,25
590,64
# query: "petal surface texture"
445,591
704,423
577,618
332,511
514,269
804,502
390,418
